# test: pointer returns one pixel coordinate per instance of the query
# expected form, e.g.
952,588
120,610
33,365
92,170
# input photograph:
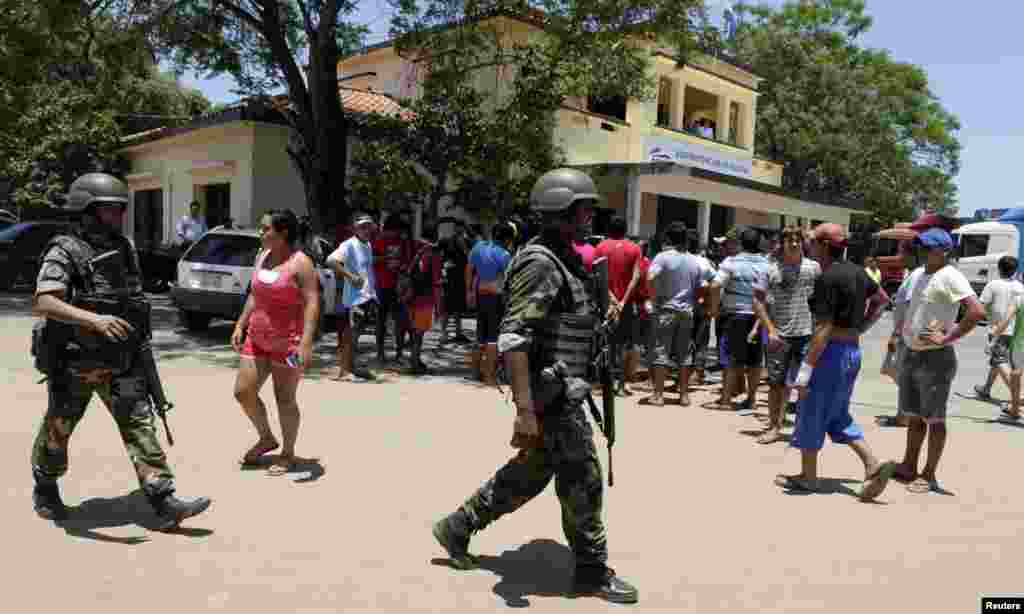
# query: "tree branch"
306,19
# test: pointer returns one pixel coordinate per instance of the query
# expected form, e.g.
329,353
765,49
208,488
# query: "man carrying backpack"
419,288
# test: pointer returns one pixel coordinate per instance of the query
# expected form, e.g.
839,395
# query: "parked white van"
979,248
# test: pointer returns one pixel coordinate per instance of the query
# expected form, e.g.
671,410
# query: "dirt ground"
694,519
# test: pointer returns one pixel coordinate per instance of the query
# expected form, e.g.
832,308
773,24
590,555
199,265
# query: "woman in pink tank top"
278,324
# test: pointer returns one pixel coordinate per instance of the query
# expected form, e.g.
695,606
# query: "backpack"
413,281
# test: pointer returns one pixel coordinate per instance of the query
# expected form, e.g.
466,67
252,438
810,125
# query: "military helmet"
557,190
93,188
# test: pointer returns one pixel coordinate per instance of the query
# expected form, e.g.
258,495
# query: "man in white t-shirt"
997,298
353,263
929,362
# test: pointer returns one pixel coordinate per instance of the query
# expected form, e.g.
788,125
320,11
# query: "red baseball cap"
833,234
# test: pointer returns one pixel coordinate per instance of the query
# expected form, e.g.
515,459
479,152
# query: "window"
734,124
700,114
614,107
885,248
225,250
972,245
665,102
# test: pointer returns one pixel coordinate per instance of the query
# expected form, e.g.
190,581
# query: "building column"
679,101
704,223
747,124
722,132
633,202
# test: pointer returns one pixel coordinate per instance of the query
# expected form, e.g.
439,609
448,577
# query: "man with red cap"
846,304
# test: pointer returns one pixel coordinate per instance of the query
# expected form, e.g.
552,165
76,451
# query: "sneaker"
608,586
455,544
170,510
47,502
983,393
746,408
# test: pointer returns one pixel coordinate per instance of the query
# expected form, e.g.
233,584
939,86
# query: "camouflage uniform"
72,386
536,289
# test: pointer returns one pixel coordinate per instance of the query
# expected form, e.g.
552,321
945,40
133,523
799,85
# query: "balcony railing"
674,131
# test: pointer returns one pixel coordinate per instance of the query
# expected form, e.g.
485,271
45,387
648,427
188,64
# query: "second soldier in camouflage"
548,320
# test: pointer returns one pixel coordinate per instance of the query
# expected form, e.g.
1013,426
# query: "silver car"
214,273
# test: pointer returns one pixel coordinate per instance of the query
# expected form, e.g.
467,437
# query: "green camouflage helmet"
93,188
557,190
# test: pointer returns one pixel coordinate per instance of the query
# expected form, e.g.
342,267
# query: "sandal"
876,483
1006,414
281,466
255,453
922,486
769,437
797,483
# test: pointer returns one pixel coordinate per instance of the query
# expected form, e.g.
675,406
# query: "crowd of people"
789,311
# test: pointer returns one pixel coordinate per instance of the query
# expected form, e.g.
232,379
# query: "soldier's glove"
526,431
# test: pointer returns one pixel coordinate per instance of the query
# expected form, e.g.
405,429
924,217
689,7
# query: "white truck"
979,248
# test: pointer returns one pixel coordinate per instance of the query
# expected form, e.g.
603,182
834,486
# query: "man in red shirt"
390,253
623,276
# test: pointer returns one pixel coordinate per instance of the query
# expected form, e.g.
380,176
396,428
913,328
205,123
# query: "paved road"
694,519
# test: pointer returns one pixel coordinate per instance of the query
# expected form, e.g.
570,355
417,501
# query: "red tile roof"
365,101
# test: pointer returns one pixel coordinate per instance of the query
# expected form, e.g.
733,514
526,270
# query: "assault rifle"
603,359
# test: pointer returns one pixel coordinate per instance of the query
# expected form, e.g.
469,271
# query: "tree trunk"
326,137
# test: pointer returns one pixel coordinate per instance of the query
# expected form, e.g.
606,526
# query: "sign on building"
663,149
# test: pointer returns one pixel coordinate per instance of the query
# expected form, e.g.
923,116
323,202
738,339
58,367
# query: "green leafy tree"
849,123
74,77
383,178
267,45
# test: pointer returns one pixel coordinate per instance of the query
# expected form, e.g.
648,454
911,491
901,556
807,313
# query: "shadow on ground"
127,510
541,568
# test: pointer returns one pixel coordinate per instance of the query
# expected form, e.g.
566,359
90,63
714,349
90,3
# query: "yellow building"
652,164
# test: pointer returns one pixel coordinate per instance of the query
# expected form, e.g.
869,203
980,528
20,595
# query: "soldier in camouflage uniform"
549,318
66,271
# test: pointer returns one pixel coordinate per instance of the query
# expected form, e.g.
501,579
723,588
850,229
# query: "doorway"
149,218
218,204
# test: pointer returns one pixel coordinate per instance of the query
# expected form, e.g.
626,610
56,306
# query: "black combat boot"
171,510
604,584
47,502
453,533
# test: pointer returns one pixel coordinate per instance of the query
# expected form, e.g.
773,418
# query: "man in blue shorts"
846,304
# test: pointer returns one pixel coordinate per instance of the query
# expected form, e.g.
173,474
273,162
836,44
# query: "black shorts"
784,363
489,309
742,353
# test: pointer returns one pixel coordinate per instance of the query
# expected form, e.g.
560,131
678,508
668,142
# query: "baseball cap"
830,233
363,220
935,238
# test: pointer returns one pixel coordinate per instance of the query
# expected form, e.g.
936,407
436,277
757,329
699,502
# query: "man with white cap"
353,263
846,304
929,362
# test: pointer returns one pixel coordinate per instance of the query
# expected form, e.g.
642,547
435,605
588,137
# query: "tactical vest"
106,282
566,335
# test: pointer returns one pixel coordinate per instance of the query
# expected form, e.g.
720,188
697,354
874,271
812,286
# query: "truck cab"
979,248
886,249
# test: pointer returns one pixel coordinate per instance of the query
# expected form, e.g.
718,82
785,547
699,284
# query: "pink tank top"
277,317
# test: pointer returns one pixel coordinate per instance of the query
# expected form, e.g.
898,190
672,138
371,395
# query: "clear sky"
970,52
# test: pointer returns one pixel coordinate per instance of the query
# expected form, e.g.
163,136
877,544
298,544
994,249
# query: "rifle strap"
595,412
